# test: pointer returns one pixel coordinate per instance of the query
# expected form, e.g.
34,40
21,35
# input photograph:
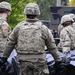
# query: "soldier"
30,38
72,16
5,9
65,40
60,28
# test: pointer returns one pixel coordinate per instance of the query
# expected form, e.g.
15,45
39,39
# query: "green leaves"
45,8
17,12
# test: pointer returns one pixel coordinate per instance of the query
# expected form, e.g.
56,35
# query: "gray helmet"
32,9
72,15
5,5
66,18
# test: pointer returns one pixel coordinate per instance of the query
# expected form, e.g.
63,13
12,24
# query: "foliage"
45,8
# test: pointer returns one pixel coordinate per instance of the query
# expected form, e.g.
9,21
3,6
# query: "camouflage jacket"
67,39
18,38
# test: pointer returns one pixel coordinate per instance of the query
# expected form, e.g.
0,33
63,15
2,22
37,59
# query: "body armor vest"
30,39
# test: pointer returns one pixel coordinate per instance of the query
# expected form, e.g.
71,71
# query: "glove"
2,60
60,67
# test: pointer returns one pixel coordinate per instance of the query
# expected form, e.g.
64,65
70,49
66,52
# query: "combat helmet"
66,18
5,5
32,9
72,16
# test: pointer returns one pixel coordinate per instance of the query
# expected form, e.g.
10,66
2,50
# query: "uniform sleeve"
9,30
12,40
5,29
65,41
50,43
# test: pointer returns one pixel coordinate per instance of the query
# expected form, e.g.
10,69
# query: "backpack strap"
70,30
71,33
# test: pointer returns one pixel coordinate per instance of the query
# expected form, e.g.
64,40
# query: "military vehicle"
46,23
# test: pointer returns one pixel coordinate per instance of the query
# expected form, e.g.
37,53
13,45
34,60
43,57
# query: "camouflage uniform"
60,27
4,26
30,38
66,39
6,6
4,32
73,16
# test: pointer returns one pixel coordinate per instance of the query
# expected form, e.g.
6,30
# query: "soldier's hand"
2,60
60,66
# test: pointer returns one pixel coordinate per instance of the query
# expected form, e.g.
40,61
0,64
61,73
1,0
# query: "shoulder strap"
70,30
69,33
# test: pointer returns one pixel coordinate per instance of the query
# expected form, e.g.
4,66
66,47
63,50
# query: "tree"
45,8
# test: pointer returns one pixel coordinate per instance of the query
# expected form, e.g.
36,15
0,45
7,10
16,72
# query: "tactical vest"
30,39
71,33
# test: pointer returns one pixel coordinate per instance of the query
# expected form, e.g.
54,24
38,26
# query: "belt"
27,57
